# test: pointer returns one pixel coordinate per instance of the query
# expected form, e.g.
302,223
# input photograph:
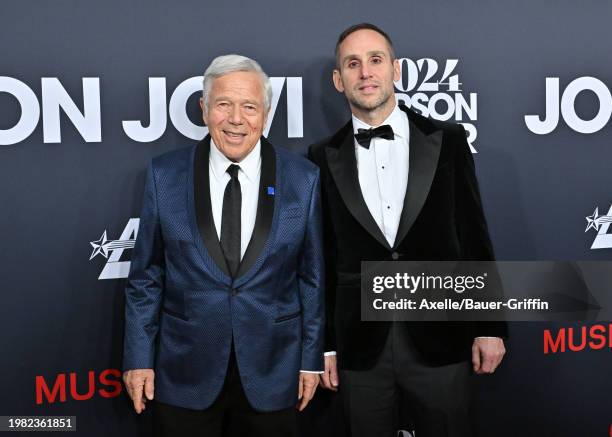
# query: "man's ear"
397,72
337,78
203,108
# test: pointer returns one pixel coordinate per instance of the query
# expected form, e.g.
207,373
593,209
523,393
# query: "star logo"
103,245
113,250
100,247
595,220
592,220
601,225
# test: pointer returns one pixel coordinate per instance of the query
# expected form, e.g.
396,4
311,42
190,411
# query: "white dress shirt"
383,172
249,176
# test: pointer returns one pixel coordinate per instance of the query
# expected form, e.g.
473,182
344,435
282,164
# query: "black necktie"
230,221
364,136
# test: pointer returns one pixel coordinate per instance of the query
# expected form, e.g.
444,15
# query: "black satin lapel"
423,162
343,167
265,208
203,206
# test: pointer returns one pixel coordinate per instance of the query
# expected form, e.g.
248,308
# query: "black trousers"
437,398
230,415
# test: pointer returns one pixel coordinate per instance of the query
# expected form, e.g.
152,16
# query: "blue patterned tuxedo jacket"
182,306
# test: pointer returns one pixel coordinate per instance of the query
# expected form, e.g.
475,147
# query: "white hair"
226,64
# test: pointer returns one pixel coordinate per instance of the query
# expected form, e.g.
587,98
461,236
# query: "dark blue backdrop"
58,195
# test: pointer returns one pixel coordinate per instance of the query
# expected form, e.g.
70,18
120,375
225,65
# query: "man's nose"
365,71
235,116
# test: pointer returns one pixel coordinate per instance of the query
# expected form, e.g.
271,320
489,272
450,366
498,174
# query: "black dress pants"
230,415
437,398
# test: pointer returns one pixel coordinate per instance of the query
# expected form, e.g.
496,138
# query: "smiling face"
365,74
235,113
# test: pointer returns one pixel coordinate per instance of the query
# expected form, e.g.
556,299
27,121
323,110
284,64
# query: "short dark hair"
354,28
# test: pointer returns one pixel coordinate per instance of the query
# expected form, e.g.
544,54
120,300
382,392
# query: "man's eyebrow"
240,101
370,53
221,97
349,57
250,101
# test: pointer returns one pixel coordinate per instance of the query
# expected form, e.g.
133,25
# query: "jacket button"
234,292
395,255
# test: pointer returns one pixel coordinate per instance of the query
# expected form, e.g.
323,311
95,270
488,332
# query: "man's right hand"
140,386
329,379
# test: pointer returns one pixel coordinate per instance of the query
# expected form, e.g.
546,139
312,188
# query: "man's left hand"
307,387
487,353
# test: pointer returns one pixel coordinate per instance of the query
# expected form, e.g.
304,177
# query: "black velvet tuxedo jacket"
442,219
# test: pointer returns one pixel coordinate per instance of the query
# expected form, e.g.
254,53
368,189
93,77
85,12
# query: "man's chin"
368,105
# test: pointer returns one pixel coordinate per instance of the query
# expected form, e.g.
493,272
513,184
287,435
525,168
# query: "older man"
397,186
224,304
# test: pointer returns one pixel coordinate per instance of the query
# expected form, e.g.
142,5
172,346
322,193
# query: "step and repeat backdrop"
91,91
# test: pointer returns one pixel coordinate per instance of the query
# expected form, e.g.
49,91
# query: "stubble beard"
372,106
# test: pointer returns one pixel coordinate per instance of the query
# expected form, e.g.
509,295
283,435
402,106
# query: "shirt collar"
396,120
250,165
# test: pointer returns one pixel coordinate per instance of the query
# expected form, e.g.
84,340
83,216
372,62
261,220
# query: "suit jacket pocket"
175,314
288,317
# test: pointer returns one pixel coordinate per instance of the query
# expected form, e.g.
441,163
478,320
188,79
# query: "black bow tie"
364,136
